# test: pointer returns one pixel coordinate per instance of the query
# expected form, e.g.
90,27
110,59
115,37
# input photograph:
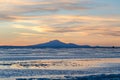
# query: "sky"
91,22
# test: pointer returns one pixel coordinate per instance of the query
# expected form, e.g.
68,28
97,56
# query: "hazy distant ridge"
55,44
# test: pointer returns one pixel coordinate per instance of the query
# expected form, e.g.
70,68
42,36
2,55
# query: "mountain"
57,44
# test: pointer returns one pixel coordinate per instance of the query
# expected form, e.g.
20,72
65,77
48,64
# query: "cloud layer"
49,19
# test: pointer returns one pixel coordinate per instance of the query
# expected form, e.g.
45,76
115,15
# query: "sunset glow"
91,22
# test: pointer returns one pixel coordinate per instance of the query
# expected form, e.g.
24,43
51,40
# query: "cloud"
30,9
9,9
89,25
47,5
113,33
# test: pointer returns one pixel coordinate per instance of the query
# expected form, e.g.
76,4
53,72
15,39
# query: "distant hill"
56,44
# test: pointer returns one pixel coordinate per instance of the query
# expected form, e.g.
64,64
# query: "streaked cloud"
63,24
49,19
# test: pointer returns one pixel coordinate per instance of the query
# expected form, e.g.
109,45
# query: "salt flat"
60,64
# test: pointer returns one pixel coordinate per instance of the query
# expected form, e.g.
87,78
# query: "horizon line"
63,42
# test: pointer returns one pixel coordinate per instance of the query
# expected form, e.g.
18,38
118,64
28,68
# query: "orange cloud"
56,19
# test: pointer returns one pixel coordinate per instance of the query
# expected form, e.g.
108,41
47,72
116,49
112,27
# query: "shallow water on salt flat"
27,55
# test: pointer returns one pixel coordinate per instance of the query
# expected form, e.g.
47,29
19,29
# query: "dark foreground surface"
92,77
60,64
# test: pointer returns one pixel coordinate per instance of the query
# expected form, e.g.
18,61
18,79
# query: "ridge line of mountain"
57,44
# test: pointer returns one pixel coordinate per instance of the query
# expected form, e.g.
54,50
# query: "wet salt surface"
10,57
36,54
40,73
90,77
